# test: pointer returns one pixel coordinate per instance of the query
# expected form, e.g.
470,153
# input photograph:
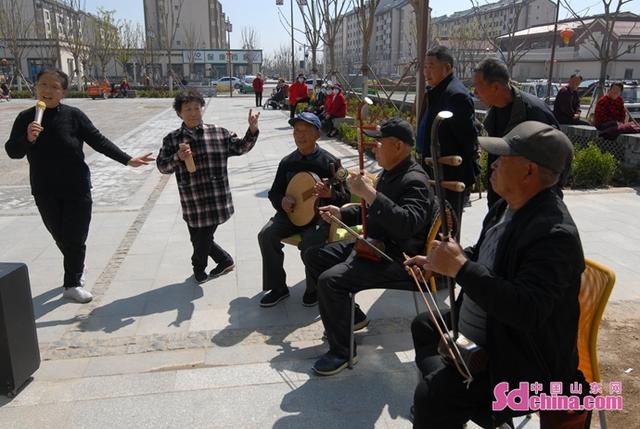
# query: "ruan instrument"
301,188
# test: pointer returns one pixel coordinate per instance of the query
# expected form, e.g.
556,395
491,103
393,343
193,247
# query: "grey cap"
535,141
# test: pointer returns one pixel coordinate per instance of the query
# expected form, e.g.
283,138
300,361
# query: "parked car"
247,85
224,82
539,89
100,89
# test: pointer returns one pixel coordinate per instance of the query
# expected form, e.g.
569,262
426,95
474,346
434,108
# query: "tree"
331,14
127,43
515,48
365,14
250,43
14,28
75,38
600,32
169,13
105,38
313,27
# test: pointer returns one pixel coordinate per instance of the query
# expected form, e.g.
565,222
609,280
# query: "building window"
628,73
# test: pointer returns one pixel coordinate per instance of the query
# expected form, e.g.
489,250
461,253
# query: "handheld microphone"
40,106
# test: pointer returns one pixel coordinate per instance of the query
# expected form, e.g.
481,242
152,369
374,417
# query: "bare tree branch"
15,26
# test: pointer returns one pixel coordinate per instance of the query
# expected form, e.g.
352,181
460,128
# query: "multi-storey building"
200,24
393,41
496,19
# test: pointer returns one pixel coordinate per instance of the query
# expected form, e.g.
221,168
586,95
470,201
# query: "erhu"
467,357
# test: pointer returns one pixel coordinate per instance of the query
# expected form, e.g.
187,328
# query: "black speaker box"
19,354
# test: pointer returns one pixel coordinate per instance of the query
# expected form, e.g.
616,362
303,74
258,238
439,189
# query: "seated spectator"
5,93
611,115
566,108
124,87
338,109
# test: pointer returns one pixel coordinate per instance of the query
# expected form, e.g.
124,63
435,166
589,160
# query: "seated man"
566,107
307,157
4,91
398,215
520,286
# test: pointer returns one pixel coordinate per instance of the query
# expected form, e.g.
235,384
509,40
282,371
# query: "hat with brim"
307,117
535,141
394,127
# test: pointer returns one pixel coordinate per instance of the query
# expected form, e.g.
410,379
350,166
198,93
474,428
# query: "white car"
225,81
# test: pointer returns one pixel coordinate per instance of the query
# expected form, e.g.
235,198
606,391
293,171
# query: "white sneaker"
78,294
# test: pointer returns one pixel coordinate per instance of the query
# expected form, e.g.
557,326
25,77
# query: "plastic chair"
595,288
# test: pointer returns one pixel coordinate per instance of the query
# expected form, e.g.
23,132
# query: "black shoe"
330,364
310,299
273,297
222,268
200,276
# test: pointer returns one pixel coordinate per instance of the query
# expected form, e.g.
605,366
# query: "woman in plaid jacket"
205,195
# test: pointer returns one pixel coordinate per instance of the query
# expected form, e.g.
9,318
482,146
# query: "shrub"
592,168
25,93
626,176
156,93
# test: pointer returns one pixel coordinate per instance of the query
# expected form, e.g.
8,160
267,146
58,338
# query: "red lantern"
566,35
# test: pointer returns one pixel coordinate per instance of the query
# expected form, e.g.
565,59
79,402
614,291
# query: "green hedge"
156,93
592,168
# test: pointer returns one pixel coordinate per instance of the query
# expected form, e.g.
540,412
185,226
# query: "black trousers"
277,228
258,99
441,399
336,271
292,110
204,246
67,220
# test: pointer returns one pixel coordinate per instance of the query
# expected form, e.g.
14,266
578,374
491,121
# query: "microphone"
40,106
191,166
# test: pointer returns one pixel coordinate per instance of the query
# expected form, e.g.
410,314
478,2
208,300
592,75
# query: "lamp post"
553,53
229,29
293,61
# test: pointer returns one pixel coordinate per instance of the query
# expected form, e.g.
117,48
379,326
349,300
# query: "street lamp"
229,29
293,61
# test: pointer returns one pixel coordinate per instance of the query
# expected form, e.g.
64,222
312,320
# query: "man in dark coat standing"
508,107
458,135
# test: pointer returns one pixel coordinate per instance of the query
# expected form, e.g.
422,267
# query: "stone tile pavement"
155,349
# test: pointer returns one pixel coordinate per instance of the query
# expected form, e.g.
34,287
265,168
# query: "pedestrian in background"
258,85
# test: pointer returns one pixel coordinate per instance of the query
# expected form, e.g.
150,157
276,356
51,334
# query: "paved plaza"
154,349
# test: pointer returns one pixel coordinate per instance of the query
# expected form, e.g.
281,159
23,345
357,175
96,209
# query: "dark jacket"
401,212
567,104
531,295
458,135
319,162
56,158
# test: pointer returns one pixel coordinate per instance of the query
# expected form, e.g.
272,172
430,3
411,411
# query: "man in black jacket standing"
508,107
398,215
520,286
458,135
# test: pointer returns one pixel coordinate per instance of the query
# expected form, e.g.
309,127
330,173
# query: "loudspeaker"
19,353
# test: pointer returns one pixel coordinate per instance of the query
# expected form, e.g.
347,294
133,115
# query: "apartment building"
200,24
496,18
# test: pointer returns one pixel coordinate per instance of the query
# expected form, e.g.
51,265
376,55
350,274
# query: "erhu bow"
460,351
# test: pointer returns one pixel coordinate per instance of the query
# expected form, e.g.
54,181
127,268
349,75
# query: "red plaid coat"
205,195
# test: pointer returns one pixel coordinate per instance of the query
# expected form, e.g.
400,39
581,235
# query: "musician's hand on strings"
327,211
322,190
418,264
287,204
446,258
361,186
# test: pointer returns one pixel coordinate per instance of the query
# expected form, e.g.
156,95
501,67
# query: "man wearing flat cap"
308,157
520,286
398,215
